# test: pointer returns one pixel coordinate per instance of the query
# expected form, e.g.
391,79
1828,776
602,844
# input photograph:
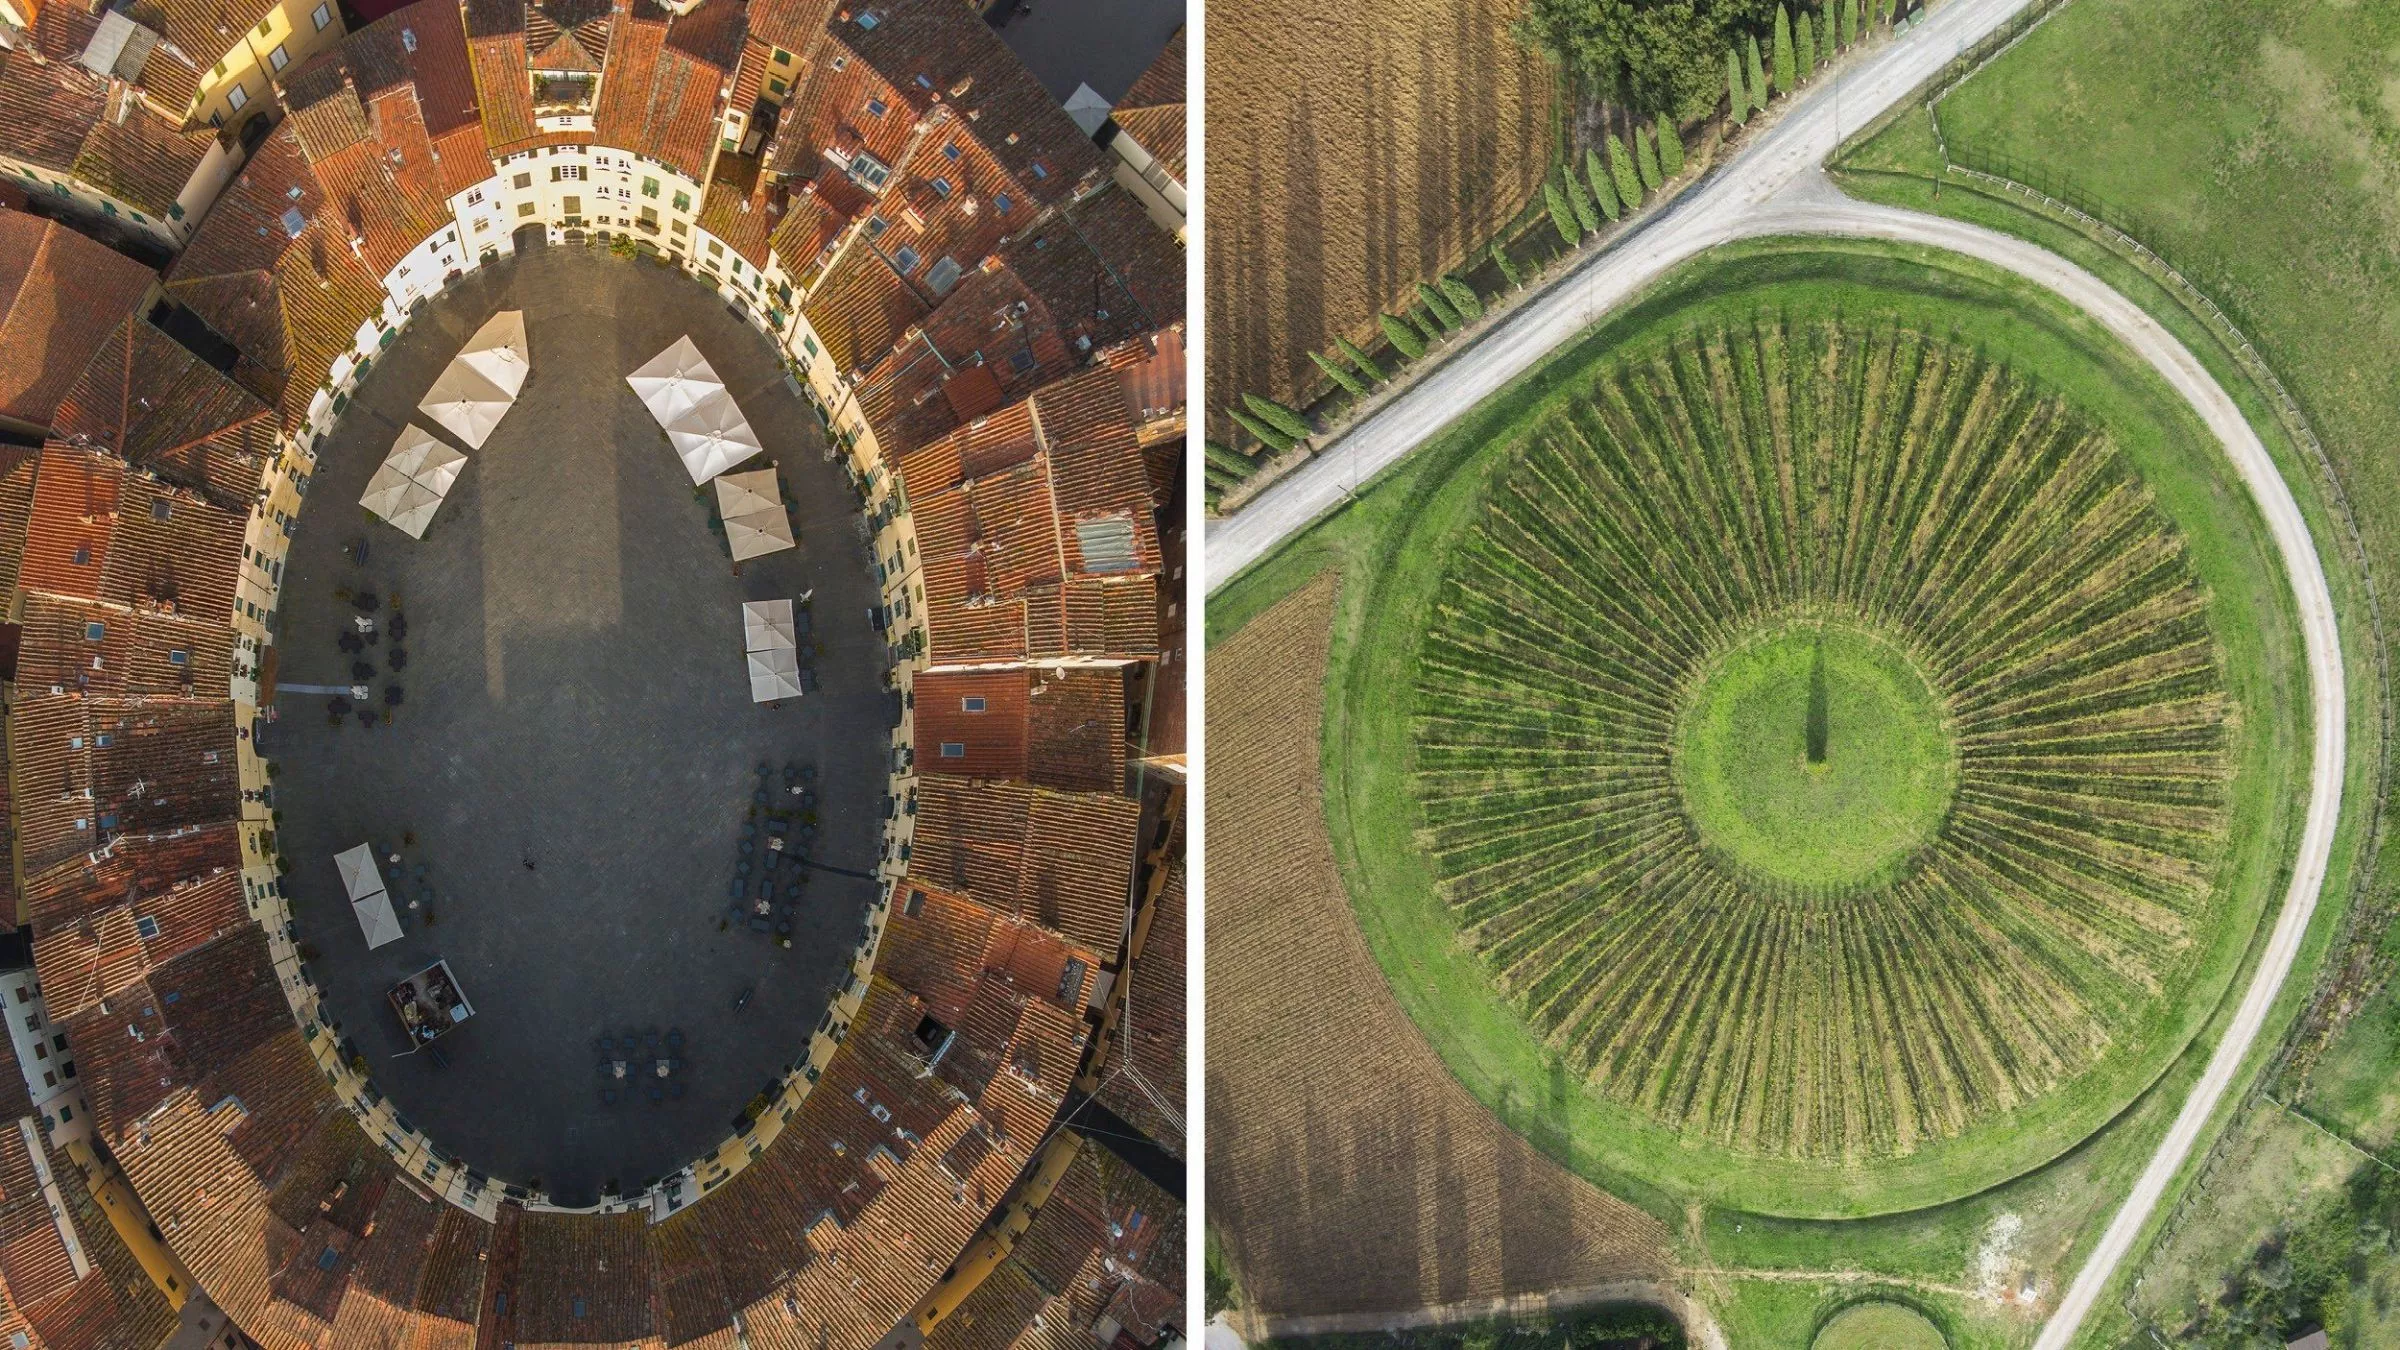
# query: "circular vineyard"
1823,742
1819,734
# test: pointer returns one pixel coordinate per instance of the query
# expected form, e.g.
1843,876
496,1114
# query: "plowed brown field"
1353,150
1347,1170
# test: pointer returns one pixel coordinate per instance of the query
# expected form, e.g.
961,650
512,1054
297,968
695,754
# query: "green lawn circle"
1371,756
1814,756
1879,1325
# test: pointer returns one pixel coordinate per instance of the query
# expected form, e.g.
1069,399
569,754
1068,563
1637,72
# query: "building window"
236,98
574,205
146,926
782,57
776,87
525,209
841,62
715,249
649,187
950,151
683,201
83,555
474,196
264,23
279,58
906,260
322,17
876,107
523,180
954,750
971,703
680,228
95,631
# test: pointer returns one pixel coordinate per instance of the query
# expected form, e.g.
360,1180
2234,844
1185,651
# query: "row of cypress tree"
1797,48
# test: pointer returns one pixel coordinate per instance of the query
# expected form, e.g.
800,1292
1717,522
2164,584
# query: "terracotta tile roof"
1102,1208
204,1197
1061,860
588,22
17,467
1062,729
67,120
117,1306
1015,1056
74,518
860,310
61,295
1104,269
1142,1081
1152,111
581,1279
937,52
147,397
659,97
503,85
204,30
131,869
50,763
244,230
171,551
744,218
842,107
105,952
797,26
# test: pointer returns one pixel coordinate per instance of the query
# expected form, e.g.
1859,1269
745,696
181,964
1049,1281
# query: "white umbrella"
439,467
498,352
755,522
415,511
360,876
674,381
410,449
467,402
385,490
712,437
774,675
376,920
767,626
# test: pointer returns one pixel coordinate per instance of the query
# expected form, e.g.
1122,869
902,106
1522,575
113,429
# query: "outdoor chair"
741,867
607,1047
778,826
749,829
735,888
748,846
674,1039
791,773
759,798
757,924
765,768
608,1096
792,892
658,1093
675,1089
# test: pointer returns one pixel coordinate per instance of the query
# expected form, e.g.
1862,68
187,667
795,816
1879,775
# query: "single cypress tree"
1737,95
1758,77
1438,306
1359,358
1847,24
1805,43
1670,148
1786,72
1506,264
1349,382
1404,339
1581,200
1280,417
1462,297
1426,327
1620,168
1273,438
1597,177
1560,214
1225,457
1645,159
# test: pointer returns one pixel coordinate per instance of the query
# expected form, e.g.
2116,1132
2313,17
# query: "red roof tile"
61,295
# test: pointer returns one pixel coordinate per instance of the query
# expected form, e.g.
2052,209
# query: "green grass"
1472,1022
1877,1325
1815,757
2061,1204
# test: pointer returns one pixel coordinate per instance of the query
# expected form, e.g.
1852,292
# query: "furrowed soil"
1353,150
1348,1171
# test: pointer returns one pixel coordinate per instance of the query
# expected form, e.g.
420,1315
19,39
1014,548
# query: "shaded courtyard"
575,754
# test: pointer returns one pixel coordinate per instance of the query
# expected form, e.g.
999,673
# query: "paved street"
575,694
